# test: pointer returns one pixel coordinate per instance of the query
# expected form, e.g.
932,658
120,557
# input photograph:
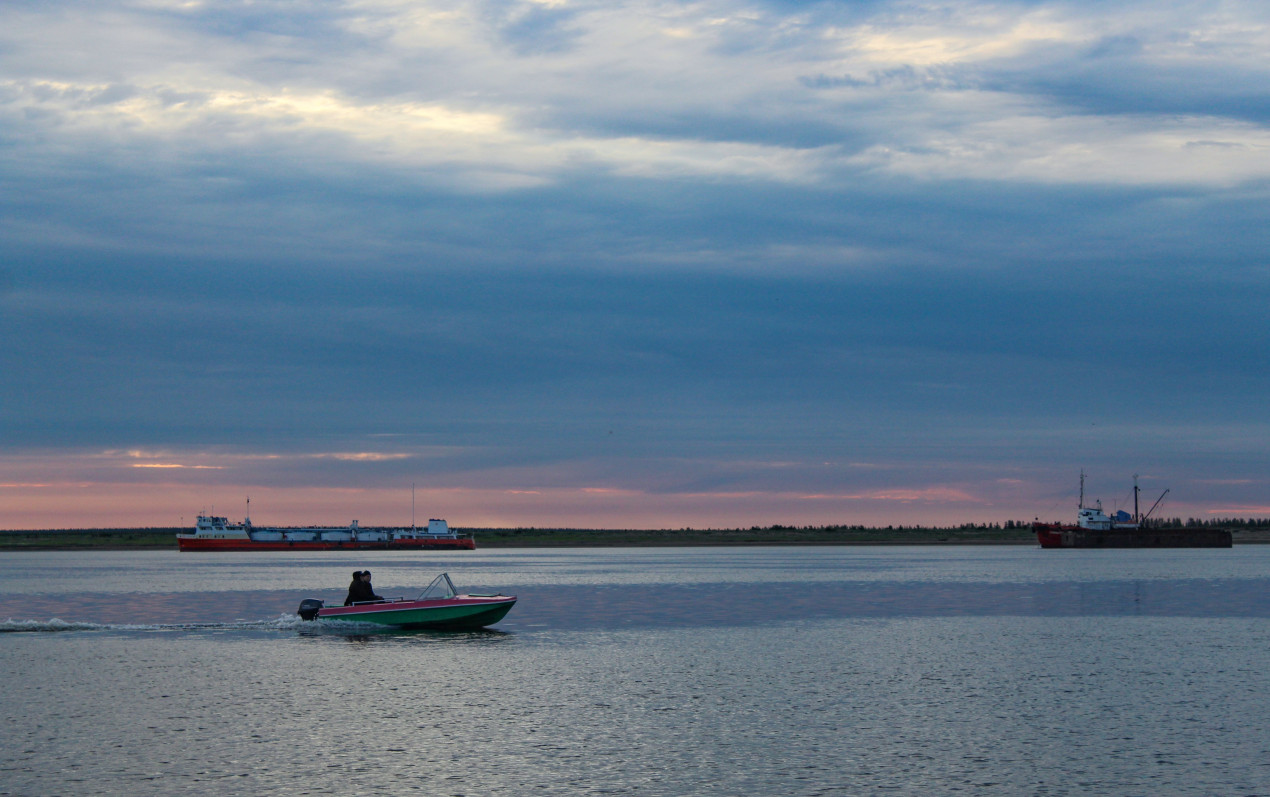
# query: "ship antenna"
412,506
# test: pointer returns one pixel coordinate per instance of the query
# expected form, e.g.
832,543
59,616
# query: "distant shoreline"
161,539
164,538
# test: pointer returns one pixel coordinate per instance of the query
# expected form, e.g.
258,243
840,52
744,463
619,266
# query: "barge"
212,533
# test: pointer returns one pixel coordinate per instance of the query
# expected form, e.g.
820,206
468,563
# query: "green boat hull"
448,617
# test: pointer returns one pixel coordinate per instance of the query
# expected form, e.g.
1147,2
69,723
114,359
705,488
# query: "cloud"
941,495
1103,150
363,456
648,247
700,121
1242,511
534,28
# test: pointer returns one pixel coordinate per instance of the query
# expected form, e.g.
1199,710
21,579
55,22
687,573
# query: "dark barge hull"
415,544
1059,536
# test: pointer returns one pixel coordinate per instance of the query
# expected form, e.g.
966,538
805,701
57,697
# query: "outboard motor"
309,608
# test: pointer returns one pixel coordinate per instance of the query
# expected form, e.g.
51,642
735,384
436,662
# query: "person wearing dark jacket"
360,591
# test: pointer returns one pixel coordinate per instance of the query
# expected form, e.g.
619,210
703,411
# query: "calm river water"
649,671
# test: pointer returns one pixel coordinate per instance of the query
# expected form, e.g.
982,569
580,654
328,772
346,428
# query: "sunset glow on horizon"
104,496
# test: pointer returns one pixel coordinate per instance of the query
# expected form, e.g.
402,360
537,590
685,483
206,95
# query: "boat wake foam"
283,622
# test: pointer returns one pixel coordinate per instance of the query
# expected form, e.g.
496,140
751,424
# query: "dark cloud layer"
745,247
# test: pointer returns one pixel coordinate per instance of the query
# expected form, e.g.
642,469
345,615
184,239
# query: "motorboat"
440,606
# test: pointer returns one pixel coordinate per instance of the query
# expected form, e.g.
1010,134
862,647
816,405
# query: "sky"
632,264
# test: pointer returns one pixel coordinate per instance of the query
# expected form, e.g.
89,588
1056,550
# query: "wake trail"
284,622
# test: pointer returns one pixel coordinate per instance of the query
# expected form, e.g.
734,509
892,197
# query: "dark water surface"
734,671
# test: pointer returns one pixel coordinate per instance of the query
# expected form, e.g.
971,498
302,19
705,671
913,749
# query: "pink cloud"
935,494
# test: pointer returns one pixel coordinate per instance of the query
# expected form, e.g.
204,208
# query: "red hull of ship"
318,545
1050,535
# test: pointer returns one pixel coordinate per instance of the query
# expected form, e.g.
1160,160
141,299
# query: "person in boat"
360,591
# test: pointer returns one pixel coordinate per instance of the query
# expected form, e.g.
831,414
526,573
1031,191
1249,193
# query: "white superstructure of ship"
215,532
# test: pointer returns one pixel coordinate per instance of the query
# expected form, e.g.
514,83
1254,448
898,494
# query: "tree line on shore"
1009,525
1162,523
1210,523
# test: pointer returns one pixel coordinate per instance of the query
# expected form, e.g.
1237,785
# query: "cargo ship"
1095,529
212,533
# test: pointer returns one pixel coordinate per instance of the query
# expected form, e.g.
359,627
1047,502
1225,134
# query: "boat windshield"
440,589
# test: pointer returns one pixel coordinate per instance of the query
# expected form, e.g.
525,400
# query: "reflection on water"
364,633
579,607
219,575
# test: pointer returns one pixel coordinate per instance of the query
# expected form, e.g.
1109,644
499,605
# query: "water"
732,671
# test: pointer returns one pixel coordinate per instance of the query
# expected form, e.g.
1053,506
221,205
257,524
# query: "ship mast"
1081,505
1135,498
